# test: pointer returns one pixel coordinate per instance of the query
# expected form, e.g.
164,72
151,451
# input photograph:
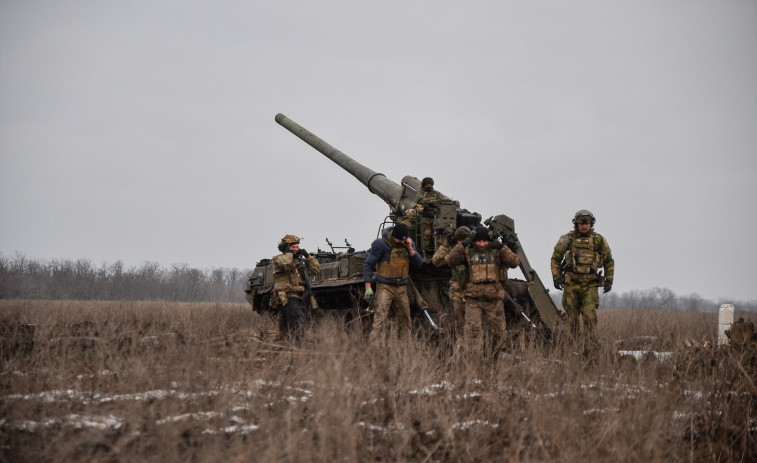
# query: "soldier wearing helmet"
289,285
427,200
576,262
486,260
456,283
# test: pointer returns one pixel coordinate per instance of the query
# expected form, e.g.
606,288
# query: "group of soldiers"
478,263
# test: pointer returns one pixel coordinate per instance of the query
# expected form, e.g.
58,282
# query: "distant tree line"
23,278
662,298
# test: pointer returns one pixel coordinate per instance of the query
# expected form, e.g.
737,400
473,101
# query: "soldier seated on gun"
289,286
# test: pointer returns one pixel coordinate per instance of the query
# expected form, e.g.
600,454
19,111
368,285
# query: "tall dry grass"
127,381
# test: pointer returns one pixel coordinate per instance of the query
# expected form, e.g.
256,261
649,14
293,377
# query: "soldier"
487,261
578,256
289,285
457,282
427,200
391,258
410,219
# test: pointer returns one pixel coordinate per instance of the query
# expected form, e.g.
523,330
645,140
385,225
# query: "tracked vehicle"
339,287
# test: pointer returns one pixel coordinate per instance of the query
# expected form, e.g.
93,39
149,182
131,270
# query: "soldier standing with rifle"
575,265
291,286
456,283
487,261
391,258
427,200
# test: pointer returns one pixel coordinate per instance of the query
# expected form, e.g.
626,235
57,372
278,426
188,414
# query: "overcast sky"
144,130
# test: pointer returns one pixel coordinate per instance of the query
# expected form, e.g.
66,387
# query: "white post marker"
725,320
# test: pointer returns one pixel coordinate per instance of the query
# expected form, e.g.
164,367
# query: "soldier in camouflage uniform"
289,285
410,219
487,261
456,283
575,265
427,200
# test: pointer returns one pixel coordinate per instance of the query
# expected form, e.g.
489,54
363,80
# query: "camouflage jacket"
286,276
429,201
424,197
581,256
438,259
501,260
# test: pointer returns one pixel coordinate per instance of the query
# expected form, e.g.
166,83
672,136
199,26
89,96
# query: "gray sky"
144,130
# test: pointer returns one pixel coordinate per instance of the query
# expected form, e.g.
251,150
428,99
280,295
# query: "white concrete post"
725,320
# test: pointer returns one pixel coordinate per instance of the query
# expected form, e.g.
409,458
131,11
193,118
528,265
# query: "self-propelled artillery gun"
339,287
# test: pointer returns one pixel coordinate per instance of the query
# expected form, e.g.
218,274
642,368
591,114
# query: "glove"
496,245
559,283
368,294
304,253
466,242
608,286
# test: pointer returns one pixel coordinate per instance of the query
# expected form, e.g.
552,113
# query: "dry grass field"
178,382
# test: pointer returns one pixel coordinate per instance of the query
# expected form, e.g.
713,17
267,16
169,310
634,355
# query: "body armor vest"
483,266
398,265
581,258
429,200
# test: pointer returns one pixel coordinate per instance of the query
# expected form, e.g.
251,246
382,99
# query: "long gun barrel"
398,198
401,198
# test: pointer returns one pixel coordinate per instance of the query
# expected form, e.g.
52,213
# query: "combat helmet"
290,240
287,241
427,181
462,232
583,216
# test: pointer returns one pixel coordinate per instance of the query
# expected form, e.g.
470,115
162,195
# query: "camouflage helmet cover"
462,232
583,216
290,240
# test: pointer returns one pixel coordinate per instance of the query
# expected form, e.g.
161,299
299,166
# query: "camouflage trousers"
457,320
580,300
482,314
389,297
428,232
